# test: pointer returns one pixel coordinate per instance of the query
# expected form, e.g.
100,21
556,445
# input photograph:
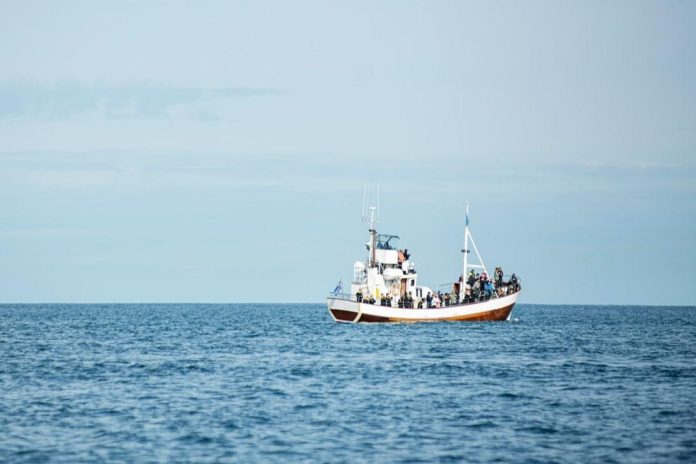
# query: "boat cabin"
388,274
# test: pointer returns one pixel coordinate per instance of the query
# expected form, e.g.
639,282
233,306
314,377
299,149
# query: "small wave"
196,438
539,429
485,424
300,372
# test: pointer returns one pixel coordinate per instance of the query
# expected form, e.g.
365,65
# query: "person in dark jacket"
514,283
471,279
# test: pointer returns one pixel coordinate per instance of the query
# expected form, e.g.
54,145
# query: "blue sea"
284,383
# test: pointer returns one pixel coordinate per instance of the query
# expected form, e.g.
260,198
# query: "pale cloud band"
68,100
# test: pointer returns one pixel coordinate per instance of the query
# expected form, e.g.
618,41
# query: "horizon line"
321,303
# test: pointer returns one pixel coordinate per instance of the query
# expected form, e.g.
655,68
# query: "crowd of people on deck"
479,287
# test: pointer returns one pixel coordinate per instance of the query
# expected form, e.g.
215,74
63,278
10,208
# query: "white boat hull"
495,309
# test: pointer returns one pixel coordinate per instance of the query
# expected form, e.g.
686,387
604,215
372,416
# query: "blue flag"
339,287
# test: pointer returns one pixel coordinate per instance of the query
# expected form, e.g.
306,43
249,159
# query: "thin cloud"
43,233
69,100
136,171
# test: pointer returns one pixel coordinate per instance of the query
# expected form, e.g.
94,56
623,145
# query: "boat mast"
372,220
467,237
373,238
465,250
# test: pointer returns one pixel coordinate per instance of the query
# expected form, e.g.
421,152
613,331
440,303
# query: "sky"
217,151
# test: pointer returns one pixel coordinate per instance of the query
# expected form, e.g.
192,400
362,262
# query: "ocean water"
284,383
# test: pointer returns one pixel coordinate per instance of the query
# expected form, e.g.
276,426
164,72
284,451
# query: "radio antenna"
370,212
364,203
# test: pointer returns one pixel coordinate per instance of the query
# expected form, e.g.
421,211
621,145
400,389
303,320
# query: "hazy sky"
216,151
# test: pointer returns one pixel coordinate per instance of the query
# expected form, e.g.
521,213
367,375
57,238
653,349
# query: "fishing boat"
385,287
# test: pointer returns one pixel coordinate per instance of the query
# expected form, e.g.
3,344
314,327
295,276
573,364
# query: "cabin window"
413,282
387,242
